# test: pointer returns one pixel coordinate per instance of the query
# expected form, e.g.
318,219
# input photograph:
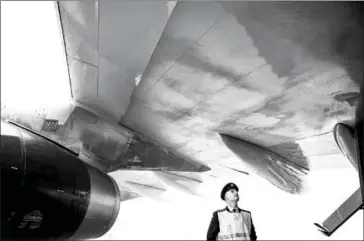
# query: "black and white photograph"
182,120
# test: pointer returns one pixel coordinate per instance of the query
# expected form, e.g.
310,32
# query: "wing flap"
342,214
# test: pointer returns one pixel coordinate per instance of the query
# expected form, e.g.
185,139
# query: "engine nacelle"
48,192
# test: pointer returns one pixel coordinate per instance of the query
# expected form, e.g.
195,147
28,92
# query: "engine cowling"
48,192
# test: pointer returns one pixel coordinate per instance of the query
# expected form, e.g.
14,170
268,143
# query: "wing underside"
166,86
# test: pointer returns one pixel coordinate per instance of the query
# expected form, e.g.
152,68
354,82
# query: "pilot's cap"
227,188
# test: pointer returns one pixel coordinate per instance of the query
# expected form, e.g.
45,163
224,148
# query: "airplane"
166,94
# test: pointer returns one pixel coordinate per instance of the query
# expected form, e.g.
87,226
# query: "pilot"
231,223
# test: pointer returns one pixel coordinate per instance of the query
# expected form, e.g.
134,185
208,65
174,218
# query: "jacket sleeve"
253,234
214,227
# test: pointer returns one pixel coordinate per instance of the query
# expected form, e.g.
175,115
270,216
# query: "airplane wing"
103,74
254,71
156,94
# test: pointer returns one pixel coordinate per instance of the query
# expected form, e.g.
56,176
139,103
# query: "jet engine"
48,192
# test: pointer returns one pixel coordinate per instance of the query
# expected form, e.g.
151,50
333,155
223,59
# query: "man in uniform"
231,223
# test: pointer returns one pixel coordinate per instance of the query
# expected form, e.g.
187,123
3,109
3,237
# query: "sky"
34,73
33,62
